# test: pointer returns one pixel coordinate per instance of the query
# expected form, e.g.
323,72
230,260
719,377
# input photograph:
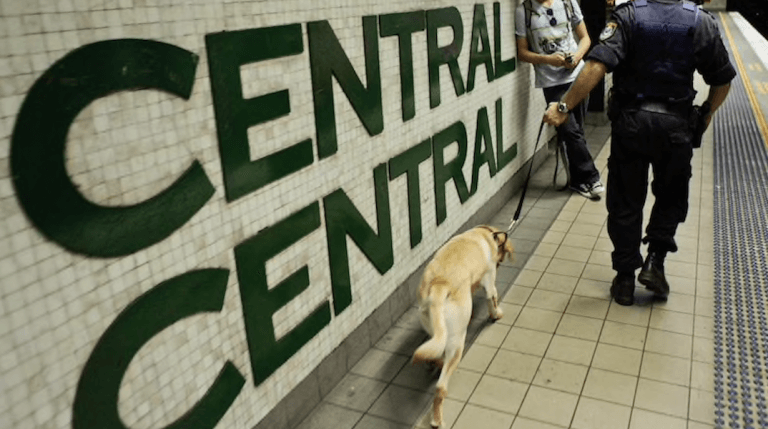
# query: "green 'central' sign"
58,210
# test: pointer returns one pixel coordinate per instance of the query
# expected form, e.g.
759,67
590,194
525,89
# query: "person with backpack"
545,38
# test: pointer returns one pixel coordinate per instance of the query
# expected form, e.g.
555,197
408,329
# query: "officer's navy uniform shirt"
710,56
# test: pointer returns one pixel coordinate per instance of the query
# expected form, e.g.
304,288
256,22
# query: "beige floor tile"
698,425
704,272
557,283
477,358
595,207
702,406
604,244
473,417
462,384
538,263
514,366
528,277
600,257
610,386
685,245
680,269
705,306
632,315
668,369
527,341
565,267
706,256
662,398
703,350
685,254
568,215
548,300
590,219
546,249
677,302
642,419
553,237
561,225
563,376
704,327
593,289
511,313
574,205
573,350
538,319
705,288
624,335
550,406
517,294
582,327
601,273
672,321
595,414
493,334
570,253
523,423
499,394
681,285
702,376
669,343
586,229
617,359
588,307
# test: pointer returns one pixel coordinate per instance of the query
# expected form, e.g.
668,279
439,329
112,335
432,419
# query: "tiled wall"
123,149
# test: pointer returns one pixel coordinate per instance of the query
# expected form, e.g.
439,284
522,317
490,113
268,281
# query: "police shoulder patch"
608,31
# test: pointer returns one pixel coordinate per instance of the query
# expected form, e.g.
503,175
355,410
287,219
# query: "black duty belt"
655,106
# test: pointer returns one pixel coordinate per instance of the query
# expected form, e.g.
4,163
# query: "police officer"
653,48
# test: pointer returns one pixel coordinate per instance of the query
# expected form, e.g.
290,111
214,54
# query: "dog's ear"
500,237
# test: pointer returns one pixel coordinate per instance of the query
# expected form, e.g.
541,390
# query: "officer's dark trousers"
640,139
581,166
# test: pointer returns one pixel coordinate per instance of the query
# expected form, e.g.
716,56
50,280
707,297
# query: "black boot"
623,289
652,274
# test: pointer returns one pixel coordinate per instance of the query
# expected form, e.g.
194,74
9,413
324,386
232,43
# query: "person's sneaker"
585,191
596,188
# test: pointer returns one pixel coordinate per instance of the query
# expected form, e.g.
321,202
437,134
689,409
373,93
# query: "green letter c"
44,189
96,398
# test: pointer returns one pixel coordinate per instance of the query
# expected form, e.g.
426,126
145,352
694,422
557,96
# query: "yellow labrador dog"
466,262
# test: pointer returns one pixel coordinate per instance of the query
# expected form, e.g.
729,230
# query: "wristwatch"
562,107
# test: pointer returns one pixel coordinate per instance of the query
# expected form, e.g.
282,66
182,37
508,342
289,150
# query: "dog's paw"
497,315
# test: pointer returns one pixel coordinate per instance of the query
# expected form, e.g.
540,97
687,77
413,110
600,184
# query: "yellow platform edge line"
762,125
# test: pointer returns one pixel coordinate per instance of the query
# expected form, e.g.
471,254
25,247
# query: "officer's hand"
557,59
553,117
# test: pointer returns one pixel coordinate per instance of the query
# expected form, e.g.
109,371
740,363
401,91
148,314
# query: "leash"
525,185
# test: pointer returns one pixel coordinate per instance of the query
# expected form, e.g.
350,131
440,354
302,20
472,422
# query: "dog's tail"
434,348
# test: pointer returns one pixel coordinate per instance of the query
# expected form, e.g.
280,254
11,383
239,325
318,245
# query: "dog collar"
495,233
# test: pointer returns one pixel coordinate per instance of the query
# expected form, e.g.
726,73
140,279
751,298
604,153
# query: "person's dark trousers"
640,139
582,167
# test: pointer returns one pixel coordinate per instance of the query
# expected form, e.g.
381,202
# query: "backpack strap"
528,13
568,13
